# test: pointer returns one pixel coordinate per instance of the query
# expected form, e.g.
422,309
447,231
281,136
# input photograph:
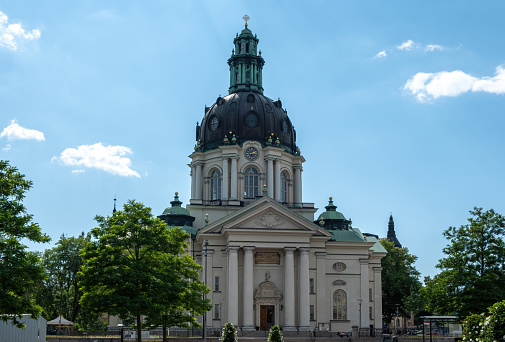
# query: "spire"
245,64
114,210
391,232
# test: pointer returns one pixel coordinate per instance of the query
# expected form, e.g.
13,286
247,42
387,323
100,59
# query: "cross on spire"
246,18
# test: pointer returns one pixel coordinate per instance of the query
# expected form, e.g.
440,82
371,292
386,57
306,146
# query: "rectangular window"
217,311
371,313
216,284
312,315
311,286
370,295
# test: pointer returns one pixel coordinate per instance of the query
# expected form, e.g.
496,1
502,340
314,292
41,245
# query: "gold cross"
246,18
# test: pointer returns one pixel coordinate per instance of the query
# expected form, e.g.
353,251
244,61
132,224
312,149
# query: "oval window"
339,266
251,120
214,123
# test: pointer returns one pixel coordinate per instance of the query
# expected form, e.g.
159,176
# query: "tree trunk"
164,333
139,329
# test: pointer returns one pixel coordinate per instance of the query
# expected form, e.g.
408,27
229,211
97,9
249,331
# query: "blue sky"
398,105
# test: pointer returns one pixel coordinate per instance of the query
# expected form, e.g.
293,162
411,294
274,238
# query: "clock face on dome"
251,153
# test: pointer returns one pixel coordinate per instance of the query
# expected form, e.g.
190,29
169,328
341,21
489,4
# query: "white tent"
60,320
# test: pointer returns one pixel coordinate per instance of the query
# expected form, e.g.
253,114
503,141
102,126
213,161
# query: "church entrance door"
267,316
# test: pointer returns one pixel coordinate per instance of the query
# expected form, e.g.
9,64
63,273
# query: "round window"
214,123
251,120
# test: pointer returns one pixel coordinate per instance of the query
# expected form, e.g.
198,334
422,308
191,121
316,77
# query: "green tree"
178,295
20,269
229,333
60,293
472,276
275,334
127,266
400,281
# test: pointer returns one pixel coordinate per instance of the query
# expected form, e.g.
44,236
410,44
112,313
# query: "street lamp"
359,302
206,243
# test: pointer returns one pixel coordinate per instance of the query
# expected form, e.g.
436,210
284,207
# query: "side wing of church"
266,259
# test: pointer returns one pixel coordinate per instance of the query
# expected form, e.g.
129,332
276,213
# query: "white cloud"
107,158
79,171
434,47
381,54
11,34
16,132
6,148
428,86
408,45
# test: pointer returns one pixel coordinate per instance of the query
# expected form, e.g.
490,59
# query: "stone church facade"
266,259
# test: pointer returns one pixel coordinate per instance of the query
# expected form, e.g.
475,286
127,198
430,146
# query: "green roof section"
188,229
332,219
177,216
377,247
176,208
347,235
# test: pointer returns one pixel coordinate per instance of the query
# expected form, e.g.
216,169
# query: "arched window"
251,181
215,185
284,187
340,305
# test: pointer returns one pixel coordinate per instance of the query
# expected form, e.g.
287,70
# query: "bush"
275,334
488,327
229,333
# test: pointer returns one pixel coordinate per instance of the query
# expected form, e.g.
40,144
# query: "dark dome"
247,116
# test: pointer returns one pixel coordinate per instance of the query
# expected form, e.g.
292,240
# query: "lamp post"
206,243
359,328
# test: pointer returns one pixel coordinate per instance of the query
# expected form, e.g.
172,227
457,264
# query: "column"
193,182
233,285
198,181
210,282
289,290
277,181
321,304
298,185
365,321
248,289
270,177
377,293
224,194
234,181
303,273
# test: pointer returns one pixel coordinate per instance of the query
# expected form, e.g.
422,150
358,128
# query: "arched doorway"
267,299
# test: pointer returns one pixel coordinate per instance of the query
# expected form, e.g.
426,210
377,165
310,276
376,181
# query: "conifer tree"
275,334
229,333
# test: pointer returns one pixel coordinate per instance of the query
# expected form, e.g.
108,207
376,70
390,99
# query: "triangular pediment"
264,214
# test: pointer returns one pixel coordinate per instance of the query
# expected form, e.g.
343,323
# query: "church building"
267,260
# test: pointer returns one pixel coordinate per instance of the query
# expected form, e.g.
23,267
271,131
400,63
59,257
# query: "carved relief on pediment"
269,220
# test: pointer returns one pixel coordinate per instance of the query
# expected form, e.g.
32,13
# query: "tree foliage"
20,269
177,295
472,276
486,327
133,264
400,282
60,293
